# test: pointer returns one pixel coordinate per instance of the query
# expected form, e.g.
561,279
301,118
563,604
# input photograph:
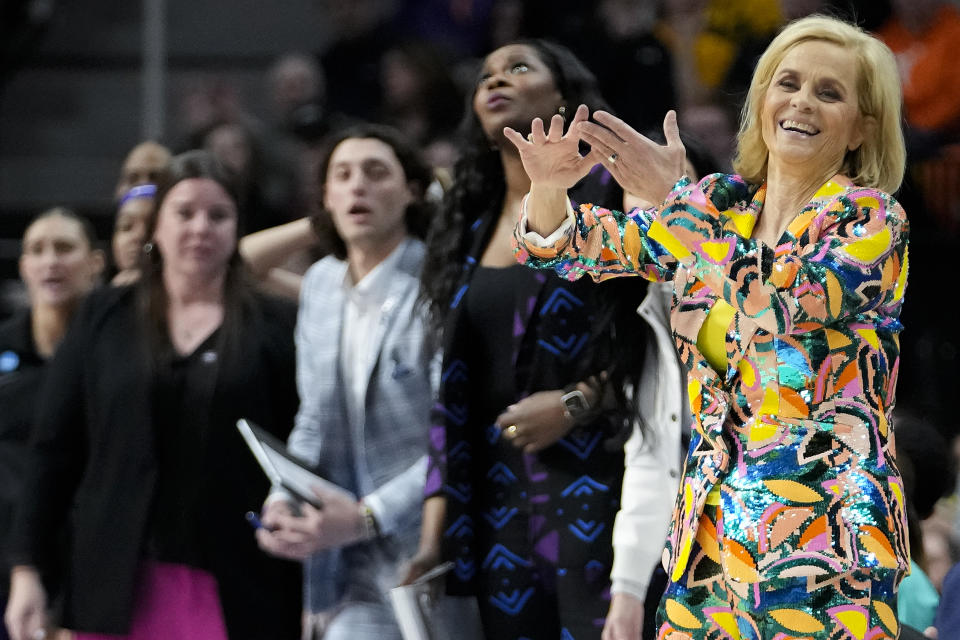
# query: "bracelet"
369,529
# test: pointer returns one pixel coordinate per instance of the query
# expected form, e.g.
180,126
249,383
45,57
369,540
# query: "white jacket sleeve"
653,456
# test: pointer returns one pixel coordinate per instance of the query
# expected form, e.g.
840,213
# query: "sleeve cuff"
535,239
277,494
636,589
375,504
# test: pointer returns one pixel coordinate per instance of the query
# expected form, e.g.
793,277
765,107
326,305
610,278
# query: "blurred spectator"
130,232
59,265
461,27
712,127
732,29
268,190
632,54
947,621
688,31
206,101
733,35
923,35
682,22
507,19
420,98
233,145
144,164
297,90
561,21
22,26
363,33
736,80
869,14
928,474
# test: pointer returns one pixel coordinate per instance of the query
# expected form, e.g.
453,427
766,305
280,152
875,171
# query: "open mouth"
799,127
359,209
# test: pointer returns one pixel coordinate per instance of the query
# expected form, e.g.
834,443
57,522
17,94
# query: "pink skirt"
173,602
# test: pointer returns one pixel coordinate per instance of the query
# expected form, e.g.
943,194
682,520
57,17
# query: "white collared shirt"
365,303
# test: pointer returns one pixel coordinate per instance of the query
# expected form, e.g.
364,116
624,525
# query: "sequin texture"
797,432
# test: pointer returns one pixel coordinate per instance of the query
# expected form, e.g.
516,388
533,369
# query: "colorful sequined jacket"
793,441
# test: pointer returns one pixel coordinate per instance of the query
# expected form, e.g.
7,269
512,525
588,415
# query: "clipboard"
423,612
284,469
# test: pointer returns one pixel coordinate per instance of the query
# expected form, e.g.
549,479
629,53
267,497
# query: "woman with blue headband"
130,232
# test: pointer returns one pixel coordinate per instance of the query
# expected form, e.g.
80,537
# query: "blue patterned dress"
530,533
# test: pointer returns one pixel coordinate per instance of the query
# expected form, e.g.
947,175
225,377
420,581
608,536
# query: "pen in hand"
255,521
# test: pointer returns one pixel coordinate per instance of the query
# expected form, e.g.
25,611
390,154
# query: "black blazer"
21,374
96,469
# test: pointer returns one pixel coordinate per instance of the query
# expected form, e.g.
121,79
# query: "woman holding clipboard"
136,447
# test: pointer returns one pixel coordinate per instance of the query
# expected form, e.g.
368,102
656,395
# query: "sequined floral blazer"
793,440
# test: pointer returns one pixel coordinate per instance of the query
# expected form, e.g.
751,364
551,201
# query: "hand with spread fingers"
536,422
552,158
638,164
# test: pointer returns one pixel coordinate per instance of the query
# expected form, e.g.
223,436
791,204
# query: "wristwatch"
575,404
369,527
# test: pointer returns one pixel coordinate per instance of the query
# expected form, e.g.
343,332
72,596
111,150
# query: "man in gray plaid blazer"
363,369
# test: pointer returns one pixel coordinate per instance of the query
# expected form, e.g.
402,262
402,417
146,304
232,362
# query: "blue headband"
139,191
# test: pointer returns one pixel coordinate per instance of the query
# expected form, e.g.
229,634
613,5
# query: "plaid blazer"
793,440
382,458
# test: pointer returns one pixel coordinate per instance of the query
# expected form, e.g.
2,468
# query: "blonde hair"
879,162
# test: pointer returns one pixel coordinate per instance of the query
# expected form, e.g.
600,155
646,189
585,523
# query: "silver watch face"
575,402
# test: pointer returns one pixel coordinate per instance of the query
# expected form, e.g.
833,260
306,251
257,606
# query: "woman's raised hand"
552,159
638,164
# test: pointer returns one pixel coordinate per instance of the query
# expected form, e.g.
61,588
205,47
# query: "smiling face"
58,265
811,115
367,194
196,231
515,87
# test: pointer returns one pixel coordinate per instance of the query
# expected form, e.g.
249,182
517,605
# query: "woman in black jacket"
136,449
59,265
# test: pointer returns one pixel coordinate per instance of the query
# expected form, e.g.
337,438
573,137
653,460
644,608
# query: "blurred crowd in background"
409,63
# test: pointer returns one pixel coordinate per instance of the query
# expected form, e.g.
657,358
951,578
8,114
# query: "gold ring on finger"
511,430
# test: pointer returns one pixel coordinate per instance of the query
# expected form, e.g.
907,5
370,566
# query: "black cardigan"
95,469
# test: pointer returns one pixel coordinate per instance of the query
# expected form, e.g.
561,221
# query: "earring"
148,248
